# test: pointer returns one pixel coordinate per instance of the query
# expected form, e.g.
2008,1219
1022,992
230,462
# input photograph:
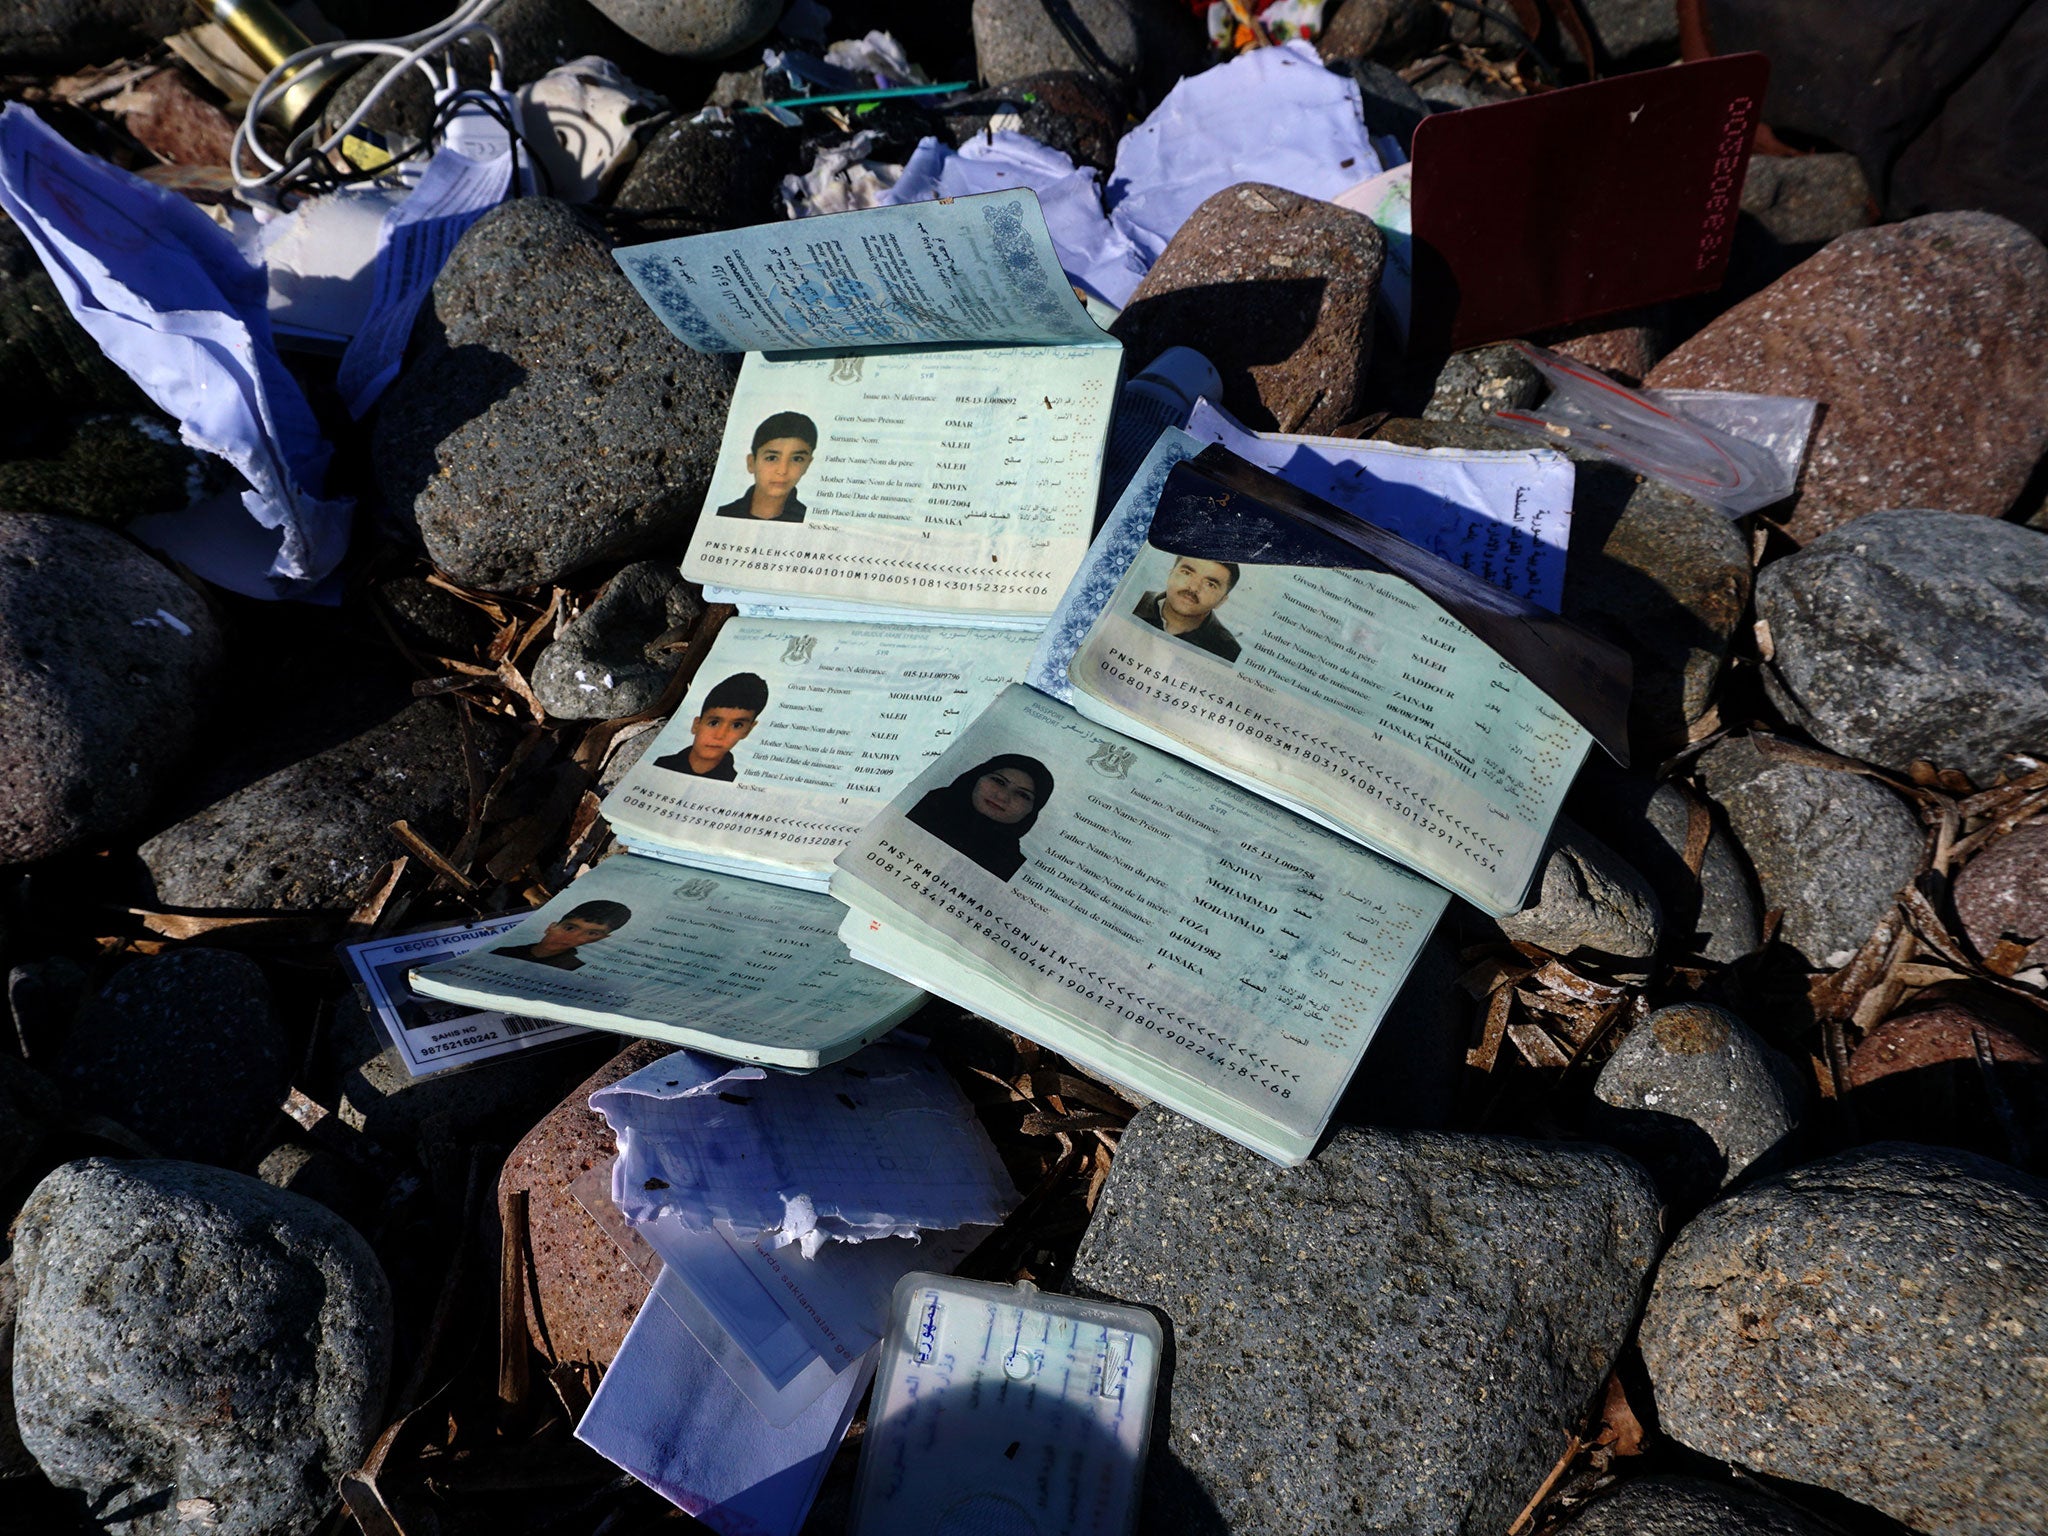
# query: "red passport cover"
1580,202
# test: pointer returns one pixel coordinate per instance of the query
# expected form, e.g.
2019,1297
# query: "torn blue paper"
1272,115
1094,253
170,300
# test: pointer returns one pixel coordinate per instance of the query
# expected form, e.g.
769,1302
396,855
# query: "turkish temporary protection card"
433,1035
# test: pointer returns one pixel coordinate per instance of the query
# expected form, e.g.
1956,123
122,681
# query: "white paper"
883,1145
670,1415
1505,516
412,247
170,300
432,1035
1095,253
1272,115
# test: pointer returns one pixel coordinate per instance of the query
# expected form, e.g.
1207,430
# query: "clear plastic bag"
1735,452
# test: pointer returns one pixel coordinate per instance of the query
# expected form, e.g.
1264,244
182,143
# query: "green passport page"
750,972
1343,672
1164,928
918,425
847,714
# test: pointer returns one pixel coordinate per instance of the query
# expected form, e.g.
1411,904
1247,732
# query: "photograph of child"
724,720
1186,607
784,446
568,933
986,812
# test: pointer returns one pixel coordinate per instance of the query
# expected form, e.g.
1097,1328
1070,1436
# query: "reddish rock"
1626,345
1923,341
1933,1036
1919,1077
587,1295
1277,290
2002,893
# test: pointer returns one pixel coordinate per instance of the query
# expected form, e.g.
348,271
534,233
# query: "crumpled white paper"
880,1145
1272,115
177,307
1093,252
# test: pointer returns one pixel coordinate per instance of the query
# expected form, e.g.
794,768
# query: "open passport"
1412,704
918,426
1164,928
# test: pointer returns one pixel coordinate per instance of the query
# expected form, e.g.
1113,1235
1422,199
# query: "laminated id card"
1004,1411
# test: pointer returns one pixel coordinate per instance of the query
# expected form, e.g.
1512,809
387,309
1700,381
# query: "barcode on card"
515,1027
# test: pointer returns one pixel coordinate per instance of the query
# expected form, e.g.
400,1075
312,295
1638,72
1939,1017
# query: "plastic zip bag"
1732,451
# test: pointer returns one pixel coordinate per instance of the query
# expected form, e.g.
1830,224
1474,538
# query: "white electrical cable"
410,51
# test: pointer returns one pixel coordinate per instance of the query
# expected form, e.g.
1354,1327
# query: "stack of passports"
1291,737
1183,804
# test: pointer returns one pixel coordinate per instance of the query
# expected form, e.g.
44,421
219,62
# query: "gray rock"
376,1095
1451,84
607,662
1914,635
1589,901
49,363
30,1108
694,177
1293,351
1831,849
322,1177
431,620
547,422
15,1460
1691,1506
1139,42
50,36
1714,913
1627,34
1389,104
1395,1337
1872,1324
626,751
1082,116
1412,1070
105,661
1668,579
195,1349
43,996
312,836
1804,201
172,1033
1475,383
1633,34
694,29
1695,1096
110,469
1390,31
